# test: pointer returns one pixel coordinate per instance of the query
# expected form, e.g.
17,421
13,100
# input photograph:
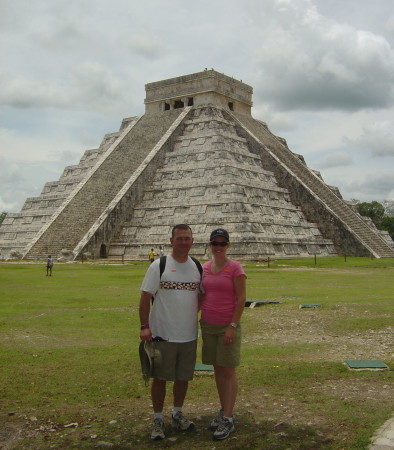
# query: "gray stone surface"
210,178
383,439
207,87
196,156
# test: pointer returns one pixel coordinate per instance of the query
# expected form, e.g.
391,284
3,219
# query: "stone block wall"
122,208
336,220
210,179
98,191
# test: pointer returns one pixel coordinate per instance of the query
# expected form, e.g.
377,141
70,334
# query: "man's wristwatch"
233,324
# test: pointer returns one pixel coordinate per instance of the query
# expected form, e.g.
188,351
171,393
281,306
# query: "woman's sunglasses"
220,244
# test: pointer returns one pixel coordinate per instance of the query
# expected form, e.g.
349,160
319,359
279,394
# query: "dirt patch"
10,435
279,325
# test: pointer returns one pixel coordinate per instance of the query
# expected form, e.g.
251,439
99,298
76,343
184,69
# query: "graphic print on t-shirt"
179,285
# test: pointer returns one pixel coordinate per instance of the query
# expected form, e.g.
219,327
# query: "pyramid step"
369,237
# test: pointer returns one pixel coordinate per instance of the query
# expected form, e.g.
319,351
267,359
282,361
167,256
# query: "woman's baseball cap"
220,232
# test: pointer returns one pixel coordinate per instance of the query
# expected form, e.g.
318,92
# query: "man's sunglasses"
220,244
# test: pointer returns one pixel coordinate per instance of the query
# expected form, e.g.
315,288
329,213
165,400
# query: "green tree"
374,210
388,225
2,216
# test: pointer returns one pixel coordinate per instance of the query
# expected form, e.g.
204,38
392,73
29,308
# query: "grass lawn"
70,374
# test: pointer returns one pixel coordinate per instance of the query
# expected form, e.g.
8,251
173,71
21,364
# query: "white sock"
176,409
230,419
158,415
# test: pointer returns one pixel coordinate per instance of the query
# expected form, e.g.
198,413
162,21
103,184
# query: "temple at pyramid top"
196,156
197,89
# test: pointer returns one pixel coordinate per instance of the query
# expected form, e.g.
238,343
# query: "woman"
224,284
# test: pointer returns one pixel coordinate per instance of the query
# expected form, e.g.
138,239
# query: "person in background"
161,251
151,255
172,325
49,265
224,283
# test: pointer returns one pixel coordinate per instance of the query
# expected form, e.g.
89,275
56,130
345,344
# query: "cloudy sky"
322,73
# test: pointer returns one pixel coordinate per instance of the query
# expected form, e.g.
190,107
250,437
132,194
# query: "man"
151,255
49,265
172,325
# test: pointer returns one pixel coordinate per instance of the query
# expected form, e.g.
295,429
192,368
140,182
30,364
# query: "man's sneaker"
158,430
224,429
180,422
216,421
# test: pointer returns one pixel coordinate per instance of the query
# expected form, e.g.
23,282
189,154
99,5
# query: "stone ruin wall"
198,89
117,197
214,205
329,225
313,208
122,212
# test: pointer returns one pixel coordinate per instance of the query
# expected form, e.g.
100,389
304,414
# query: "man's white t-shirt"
174,312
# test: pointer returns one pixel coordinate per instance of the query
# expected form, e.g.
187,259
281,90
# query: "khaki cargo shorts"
178,361
213,349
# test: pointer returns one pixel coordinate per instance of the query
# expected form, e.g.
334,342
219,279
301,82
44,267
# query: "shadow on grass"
134,434
249,434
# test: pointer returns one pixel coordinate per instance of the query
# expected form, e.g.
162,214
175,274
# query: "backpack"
162,265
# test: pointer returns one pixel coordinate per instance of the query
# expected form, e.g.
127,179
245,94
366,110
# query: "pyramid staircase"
286,162
91,200
210,178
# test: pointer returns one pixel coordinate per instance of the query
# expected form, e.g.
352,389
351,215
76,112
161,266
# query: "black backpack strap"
198,264
162,266
163,260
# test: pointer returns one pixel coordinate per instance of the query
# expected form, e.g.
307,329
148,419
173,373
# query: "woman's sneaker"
180,422
224,429
158,430
216,421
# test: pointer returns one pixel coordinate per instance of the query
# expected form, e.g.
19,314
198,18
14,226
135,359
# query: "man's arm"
201,297
145,333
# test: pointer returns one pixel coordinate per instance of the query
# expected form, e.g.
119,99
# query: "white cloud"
95,85
27,93
275,120
306,61
337,159
89,86
59,34
374,185
378,138
355,182
150,47
389,26
16,146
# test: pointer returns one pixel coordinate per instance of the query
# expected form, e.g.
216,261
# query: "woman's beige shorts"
213,349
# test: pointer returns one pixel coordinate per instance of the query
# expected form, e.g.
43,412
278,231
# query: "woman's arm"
240,292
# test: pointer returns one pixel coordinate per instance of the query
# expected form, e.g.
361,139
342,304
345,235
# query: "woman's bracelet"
144,327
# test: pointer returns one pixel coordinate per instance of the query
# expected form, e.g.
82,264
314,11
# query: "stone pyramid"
196,156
